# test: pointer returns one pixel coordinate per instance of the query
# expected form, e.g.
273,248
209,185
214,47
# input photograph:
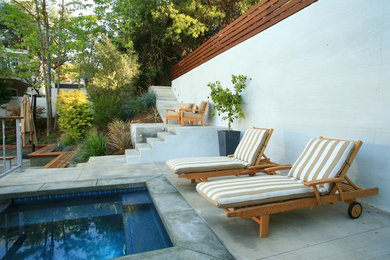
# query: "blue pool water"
92,225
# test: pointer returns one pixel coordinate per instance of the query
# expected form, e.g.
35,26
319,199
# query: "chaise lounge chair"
317,177
249,158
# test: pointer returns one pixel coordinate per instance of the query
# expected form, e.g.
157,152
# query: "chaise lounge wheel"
355,209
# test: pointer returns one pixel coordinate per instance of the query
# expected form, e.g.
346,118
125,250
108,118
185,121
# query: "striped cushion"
203,164
248,191
250,145
321,159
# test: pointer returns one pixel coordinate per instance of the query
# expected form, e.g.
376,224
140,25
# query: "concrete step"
132,153
165,135
143,147
165,99
177,142
152,141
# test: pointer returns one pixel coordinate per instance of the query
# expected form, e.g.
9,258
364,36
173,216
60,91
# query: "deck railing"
8,168
257,19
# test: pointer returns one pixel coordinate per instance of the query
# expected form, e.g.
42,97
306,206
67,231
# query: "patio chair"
194,115
249,158
172,114
318,177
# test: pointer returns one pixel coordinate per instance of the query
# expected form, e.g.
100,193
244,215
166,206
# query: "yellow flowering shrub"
74,114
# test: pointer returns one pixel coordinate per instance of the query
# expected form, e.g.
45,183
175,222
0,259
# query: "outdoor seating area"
208,130
249,158
188,113
318,177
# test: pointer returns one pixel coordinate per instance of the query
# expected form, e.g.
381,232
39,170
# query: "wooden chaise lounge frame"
343,190
262,162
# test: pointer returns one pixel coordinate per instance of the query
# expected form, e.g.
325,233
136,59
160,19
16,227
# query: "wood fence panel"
257,19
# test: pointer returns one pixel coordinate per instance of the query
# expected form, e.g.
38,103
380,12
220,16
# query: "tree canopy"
164,32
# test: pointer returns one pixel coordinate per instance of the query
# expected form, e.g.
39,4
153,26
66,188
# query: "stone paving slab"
169,254
366,245
300,231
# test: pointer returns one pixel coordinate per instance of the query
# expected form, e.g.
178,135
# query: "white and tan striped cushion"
322,159
203,164
248,191
250,145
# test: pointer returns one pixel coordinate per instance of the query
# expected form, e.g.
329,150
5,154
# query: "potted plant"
228,104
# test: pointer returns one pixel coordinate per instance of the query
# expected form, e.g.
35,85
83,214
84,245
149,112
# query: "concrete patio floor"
201,231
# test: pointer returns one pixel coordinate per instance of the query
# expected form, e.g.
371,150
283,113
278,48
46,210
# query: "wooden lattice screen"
257,19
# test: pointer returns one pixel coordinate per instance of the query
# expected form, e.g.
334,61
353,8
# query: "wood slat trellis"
257,19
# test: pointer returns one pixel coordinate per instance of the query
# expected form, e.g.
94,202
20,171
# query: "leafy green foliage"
74,113
226,102
147,100
137,105
114,71
105,109
119,137
5,91
94,145
164,32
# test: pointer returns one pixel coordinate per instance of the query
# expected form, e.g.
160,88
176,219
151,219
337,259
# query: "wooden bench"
61,161
46,151
7,162
44,157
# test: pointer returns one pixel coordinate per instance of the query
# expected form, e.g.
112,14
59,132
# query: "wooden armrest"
317,182
279,168
186,110
173,110
263,166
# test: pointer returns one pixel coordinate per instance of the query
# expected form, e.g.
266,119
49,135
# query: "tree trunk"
48,68
44,63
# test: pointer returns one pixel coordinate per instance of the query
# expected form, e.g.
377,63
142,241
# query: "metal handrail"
19,164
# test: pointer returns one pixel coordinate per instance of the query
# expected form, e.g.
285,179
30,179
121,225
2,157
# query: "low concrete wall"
323,71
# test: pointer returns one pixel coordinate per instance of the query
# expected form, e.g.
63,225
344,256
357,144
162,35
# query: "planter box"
228,141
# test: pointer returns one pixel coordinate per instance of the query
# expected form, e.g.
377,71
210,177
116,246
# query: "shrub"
130,108
74,114
94,145
137,105
148,99
105,109
119,137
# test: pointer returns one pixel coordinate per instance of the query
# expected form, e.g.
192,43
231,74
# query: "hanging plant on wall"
227,103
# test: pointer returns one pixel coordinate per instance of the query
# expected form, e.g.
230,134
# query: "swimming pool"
87,225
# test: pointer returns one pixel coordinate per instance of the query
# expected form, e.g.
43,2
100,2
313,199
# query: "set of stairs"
176,142
166,99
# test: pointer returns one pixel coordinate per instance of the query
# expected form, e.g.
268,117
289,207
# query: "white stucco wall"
324,71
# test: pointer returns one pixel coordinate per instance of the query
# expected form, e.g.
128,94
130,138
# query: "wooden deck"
60,160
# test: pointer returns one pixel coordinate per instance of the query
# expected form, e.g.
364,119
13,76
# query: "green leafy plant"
137,105
148,99
105,109
226,102
74,112
94,145
119,137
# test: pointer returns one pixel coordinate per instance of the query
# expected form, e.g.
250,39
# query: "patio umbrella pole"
34,107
